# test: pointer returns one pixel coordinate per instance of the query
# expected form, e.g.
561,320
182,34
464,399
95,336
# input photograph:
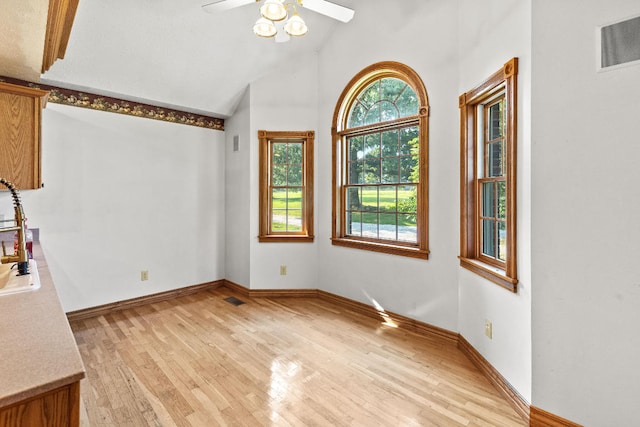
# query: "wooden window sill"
282,238
408,251
491,273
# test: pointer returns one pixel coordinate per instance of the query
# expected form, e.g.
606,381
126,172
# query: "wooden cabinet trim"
20,134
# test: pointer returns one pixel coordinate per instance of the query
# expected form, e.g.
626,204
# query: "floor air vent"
233,300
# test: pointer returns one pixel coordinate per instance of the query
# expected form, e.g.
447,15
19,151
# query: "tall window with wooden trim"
286,186
488,132
380,148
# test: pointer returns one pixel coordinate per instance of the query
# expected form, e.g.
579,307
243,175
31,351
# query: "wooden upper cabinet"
20,124
59,22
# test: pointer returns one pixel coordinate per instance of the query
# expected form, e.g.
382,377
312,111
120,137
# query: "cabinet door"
57,408
20,119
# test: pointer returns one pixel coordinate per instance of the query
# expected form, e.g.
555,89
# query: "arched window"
380,151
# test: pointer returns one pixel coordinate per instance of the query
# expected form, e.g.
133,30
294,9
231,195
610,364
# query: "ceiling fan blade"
222,5
329,9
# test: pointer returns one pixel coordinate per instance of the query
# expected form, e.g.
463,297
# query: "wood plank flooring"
200,361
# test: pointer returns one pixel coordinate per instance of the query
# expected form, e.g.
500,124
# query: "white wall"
124,194
423,35
238,195
491,33
283,101
586,205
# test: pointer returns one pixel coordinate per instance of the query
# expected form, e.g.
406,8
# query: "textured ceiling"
173,53
22,28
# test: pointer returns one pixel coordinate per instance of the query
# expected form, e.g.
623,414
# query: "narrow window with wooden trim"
488,153
286,186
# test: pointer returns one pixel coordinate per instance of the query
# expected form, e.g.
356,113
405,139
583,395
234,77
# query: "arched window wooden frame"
340,131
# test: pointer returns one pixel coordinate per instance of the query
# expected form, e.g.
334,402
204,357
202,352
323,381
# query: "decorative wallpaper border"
93,101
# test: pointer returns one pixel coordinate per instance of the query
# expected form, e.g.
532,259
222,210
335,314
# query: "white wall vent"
236,143
619,44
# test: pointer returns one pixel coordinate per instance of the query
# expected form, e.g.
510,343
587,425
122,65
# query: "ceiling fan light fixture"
295,26
273,10
264,28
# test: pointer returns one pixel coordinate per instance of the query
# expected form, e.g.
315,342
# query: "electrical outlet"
283,270
488,329
144,275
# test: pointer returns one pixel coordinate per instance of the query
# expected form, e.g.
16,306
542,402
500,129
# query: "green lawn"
369,201
387,203
279,205
279,200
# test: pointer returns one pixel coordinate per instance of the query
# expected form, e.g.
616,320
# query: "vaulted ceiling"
167,52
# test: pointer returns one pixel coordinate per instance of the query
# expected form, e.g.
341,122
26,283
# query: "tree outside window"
488,126
380,168
286,186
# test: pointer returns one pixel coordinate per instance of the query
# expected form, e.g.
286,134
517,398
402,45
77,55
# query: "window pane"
294,175
294,220
279,198
356,172
408,103
388,226
409,169
370,199
407,199
295,153
372,146
388,111
488,199
387,197
370,95
496,122
353,199
356,148
383,100
502,241
390,170
354,223
407,228
502,199
356,117
372,171
390,143
294,198
392,88
279,220
370,225
278,175
279,153
489,238
494,159
374,115
409,141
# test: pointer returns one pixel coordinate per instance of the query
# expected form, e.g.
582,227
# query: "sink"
11,283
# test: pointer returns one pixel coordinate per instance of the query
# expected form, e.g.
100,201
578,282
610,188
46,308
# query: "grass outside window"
286,186
380,147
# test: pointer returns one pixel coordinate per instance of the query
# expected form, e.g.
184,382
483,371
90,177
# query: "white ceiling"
22,28
173,53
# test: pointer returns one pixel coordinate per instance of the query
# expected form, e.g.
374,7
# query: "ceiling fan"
274,13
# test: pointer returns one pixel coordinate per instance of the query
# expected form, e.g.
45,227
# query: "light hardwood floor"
200,361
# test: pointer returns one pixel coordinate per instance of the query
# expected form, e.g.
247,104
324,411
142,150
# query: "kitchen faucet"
20,256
